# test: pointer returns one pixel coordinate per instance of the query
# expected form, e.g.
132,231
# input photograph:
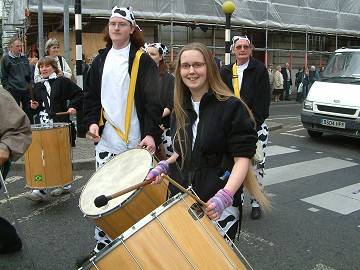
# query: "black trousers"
23,98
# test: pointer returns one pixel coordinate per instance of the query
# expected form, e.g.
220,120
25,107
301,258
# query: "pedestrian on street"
248,78
286,72
214,139
278,84
16,75
107,92
15,138
54,94
158,51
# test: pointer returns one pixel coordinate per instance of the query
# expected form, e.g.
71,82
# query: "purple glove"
222,199
161,167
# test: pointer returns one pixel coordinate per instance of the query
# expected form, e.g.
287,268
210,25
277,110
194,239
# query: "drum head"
124,170
48,126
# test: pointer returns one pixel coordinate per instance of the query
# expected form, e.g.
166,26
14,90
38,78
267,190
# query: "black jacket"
167,96
255,88
15,73
62,91
224,131
147,98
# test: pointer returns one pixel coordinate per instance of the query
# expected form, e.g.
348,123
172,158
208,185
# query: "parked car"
333,102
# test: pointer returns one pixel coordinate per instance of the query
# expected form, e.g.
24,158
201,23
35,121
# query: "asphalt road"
314,224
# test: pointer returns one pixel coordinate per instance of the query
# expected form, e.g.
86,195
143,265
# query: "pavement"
83,154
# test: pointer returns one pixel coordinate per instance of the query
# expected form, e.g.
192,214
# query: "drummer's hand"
157,180
4,155
148,143
94,129
159,170
34,104
71,110
217,204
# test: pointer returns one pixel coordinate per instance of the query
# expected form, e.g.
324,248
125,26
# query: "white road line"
296,126
274,150
20,195
13,179
256,241
303,169
344,200
295,130
294,135
321,266
283,118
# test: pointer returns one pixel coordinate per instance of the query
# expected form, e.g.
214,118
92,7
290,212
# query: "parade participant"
252,80
16,75
158,51
52,47
51,95
122,104
214,138
15,138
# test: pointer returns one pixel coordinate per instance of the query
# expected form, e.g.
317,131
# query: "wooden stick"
172,181
92,135
61,113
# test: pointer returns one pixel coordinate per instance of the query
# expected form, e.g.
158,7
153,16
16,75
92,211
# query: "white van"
333,103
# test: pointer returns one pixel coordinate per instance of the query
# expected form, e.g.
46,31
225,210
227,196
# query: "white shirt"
114,91
240,72
196,106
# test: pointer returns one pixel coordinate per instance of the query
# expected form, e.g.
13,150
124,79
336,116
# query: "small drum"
177,235
124,170
48,159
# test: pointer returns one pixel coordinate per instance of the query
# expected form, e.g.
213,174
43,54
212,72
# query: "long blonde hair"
222,93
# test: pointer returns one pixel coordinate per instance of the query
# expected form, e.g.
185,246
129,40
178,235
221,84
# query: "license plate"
332,123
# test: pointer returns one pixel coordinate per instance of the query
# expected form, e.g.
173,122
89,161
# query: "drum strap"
129,103
235,81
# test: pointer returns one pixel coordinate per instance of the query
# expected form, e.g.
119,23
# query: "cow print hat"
237,38
163,50
124,13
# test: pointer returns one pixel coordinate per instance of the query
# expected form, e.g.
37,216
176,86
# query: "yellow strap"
130,100
235,81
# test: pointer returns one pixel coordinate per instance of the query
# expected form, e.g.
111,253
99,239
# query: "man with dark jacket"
249,79
16,75
15,138
286,72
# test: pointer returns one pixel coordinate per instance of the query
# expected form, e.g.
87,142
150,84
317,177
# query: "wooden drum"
48,159
124,170
177,235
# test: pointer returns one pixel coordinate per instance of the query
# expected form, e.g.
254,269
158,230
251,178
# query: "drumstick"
102,200
61,113
172,181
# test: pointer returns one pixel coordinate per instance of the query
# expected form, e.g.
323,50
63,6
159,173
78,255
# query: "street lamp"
228,8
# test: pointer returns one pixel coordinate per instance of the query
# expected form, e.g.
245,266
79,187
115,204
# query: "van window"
343,65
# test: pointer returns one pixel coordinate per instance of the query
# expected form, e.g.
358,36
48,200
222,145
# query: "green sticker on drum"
38,178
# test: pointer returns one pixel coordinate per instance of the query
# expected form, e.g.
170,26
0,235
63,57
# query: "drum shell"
48,159
169,238
126,169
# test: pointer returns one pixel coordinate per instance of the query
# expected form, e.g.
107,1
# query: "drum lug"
196,211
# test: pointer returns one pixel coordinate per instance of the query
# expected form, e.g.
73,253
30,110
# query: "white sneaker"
58,191
36,195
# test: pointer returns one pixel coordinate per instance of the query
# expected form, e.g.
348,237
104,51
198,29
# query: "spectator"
286,72
16,75
278,84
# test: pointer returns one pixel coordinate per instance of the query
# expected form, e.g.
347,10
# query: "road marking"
294,135
321,266
344,200
319,152
274,150
283,118
256,241
295,130
20,195
312,209
303,169
296,126
13,179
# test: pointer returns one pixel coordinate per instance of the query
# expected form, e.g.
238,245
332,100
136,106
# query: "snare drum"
124,170
48,159
177,235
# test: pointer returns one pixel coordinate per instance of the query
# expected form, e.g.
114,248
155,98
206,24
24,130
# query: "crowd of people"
205,122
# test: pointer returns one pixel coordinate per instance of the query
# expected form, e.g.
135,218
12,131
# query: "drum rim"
114,209
49,125
135,228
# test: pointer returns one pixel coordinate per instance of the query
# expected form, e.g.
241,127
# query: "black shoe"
13,248
80,262
255,213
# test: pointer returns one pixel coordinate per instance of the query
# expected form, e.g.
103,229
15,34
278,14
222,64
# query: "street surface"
314,224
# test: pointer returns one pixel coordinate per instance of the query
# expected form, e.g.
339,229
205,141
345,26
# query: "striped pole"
78,40
228,7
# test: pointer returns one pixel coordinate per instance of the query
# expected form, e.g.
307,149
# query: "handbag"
300,88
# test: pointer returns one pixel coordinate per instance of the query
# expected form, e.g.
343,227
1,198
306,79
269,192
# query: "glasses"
242,47
196,65
118,25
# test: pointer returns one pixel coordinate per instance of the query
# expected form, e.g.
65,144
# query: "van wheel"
314,134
